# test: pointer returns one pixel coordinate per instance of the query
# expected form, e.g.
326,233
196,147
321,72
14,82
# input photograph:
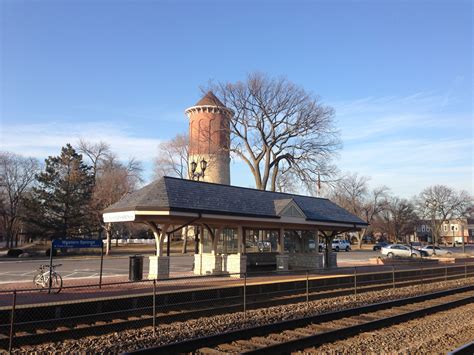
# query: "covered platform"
236,228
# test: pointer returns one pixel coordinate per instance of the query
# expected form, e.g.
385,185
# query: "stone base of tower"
220,264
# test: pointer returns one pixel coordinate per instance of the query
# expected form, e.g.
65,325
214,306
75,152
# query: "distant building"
423,232
452,231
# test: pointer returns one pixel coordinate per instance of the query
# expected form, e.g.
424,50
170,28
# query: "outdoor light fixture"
193,167
202,165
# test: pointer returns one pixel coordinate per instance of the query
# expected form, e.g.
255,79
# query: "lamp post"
198,175
452,241
433,205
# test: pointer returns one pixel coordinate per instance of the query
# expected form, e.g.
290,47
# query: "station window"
228,241
300,241
261,240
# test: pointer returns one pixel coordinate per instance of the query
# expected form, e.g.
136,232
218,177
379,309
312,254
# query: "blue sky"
398,73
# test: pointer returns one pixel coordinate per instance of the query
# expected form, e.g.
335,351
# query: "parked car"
400,250
380,245
337,245
430,250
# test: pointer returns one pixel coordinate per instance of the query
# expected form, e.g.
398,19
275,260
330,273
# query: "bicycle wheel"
38,281
57,283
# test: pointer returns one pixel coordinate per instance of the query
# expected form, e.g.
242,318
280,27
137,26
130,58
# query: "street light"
197,175
452,241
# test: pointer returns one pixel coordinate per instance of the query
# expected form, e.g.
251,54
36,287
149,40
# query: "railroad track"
287,336
47,330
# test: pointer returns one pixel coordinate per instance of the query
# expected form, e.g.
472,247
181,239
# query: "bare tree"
277,128
352,193
112,181
96,152
400,217
173,158
440,203
17,174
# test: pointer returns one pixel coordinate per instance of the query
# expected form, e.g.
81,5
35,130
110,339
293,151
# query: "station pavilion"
236,228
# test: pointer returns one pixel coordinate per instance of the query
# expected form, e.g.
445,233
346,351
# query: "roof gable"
288,208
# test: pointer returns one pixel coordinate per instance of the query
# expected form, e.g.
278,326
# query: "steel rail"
466,349
284,347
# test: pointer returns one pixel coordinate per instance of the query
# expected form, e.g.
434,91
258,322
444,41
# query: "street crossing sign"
77,243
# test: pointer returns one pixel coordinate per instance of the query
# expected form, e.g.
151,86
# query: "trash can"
135,272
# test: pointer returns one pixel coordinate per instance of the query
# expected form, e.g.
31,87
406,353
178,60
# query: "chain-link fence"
33,316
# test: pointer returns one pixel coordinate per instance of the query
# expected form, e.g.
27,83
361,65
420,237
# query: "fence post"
12,322
393,276
307,287
355,280
422,272
154,307
245,296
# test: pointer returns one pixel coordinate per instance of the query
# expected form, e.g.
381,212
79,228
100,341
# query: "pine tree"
62,195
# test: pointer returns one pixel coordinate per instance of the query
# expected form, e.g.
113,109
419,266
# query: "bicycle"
41,279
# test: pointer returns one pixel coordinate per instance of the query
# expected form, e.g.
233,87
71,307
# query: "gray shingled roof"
191,196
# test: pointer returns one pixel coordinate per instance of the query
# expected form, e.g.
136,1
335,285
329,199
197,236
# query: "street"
88,267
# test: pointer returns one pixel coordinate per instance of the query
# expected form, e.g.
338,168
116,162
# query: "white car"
337,245
431,250
400,250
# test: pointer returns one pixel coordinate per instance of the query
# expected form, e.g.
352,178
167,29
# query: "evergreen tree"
62,195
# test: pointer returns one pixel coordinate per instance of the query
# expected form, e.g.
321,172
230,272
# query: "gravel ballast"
438,333
143,338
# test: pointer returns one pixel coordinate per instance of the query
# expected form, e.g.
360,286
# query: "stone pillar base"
235,264
310,261
212,264
332,259
282,262
159,267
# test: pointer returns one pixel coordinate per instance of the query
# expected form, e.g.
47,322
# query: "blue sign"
77,243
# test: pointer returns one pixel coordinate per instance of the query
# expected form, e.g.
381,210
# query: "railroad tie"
321,328
346,322
297,333
263,341
228,348
247,344
208,351
364,318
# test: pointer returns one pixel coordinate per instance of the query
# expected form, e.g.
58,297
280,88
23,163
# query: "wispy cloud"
44,139
407,142
373,117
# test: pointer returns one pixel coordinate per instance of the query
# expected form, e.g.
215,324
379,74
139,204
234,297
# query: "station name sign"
128,216
77,243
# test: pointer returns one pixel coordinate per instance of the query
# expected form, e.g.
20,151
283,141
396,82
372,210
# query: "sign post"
75,244
101,264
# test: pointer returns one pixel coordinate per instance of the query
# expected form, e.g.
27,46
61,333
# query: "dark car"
380,245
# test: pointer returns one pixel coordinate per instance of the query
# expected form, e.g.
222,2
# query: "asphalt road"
80,268
88,267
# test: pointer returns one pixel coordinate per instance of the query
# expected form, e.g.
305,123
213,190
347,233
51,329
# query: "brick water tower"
209,140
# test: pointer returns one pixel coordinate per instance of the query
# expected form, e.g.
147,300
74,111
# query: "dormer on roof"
288,208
